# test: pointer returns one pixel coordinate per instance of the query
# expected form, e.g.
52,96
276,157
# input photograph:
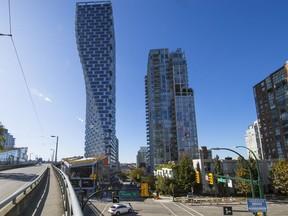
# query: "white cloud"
40,95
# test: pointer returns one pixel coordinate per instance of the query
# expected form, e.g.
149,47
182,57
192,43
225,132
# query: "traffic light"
210,178
197,177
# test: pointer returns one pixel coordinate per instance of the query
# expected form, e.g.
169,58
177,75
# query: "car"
118,209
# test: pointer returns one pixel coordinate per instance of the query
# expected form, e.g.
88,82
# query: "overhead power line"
21,68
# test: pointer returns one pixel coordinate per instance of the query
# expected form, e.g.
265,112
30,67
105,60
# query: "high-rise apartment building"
170,110
96,46
271,98
141,158
253,140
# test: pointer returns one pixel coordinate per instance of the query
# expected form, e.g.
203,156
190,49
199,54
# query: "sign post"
257,205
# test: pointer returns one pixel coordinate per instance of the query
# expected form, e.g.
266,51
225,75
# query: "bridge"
35,190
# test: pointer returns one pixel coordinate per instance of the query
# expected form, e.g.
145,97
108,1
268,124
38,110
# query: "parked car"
118,209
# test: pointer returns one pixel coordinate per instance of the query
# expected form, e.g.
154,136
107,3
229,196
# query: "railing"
71,203
12,198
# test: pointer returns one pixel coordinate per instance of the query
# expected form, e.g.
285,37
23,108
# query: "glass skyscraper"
170,109
96,46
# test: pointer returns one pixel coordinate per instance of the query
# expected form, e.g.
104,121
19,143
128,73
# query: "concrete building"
96,46
141,158
253,140
164,172
170,109
272,111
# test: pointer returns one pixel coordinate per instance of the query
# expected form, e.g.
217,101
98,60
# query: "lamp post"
52,155
56,148
258,170
259,181
249,168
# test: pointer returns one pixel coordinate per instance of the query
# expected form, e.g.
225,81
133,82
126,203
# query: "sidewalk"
54,203
49,201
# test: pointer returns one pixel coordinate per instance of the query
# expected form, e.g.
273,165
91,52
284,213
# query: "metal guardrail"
12,198
71,203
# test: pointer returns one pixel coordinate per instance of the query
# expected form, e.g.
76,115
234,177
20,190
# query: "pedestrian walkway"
54,202
50,202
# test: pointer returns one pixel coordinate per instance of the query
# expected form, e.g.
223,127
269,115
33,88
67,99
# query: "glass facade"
271,98
170,110
96,46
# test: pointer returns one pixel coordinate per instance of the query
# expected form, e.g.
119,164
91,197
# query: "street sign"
222,180
257,205
229,183
227,210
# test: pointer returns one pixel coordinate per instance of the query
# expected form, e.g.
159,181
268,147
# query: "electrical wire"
21,68
9,17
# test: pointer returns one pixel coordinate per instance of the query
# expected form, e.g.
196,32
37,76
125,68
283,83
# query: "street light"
56,148
249,168
259,181
52,155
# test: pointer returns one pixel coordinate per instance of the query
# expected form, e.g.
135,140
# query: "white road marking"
191,209
168,209
183,209
105,208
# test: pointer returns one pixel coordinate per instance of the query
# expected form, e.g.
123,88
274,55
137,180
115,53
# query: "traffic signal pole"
249,168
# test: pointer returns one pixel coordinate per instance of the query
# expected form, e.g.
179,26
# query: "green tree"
279,176
136,174
219,171
123,176
184,174
2,138
163,185
244,187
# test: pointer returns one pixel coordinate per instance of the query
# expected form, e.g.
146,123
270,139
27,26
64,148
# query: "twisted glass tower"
96,46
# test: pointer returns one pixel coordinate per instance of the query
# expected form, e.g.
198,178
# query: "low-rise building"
14,156
87,173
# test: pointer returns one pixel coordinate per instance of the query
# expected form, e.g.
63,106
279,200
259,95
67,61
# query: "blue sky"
229,45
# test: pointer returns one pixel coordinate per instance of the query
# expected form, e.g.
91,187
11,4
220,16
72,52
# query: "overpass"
35,190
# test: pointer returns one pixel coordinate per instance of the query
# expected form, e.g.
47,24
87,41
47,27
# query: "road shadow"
18,176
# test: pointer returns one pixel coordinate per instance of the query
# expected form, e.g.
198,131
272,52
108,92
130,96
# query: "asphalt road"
166,207
14,179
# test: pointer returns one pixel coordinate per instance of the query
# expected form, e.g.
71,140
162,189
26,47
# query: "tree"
184,174
244,187
279,175
163,185
123,176
219,171
2,138
136,174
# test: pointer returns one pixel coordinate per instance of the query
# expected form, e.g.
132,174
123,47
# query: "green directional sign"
222,180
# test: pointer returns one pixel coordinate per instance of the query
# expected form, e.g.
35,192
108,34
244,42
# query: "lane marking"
183,209
105,208
168,209
191,209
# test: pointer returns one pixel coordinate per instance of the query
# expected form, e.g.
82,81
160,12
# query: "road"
166,207
14,179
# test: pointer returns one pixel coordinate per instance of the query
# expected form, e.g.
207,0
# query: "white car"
118,209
